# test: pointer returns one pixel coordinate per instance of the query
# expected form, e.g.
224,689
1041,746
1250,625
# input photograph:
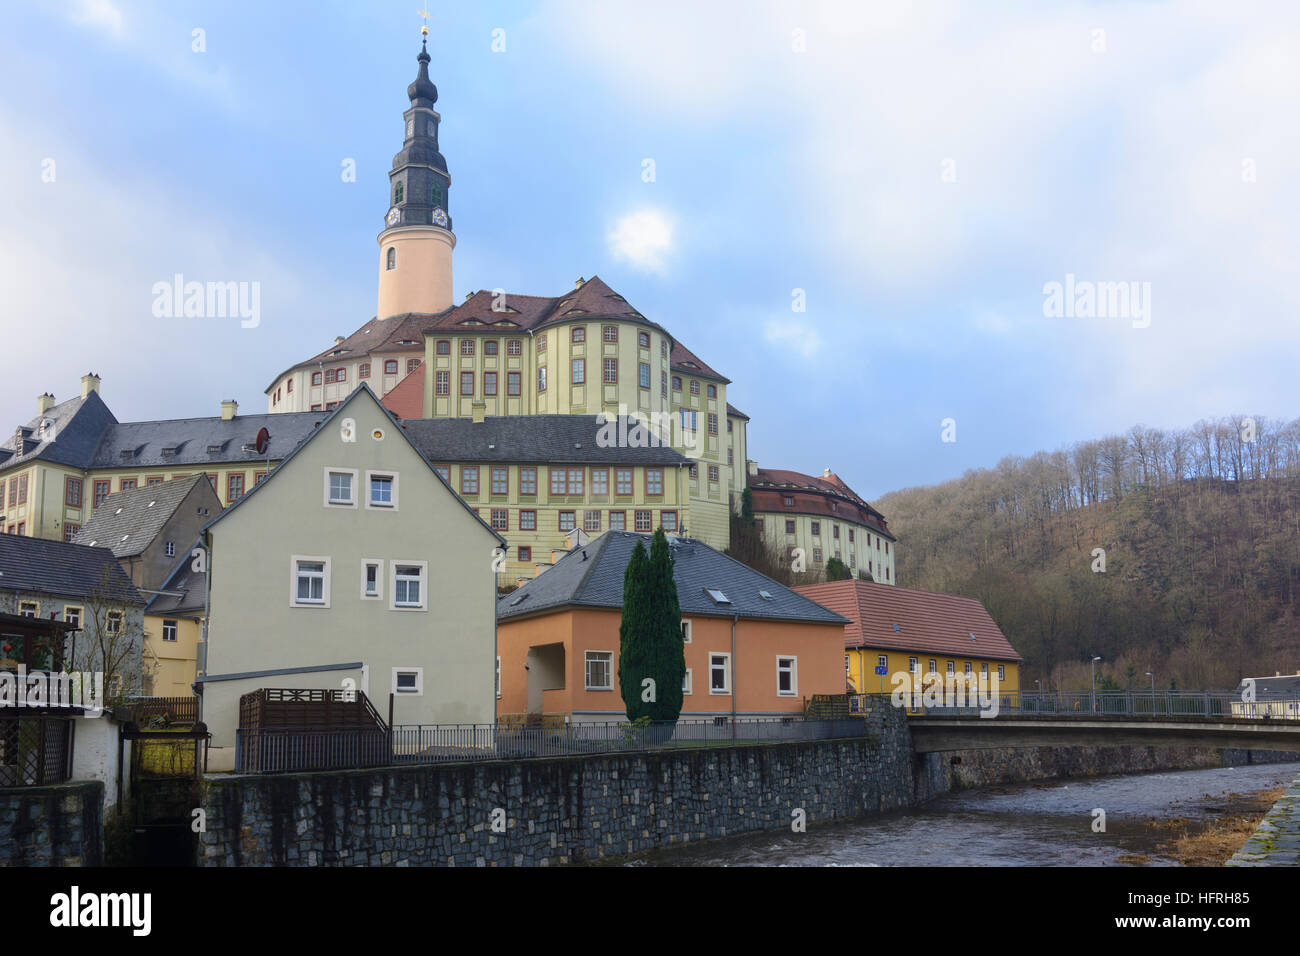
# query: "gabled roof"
76,428
377,335
592,576
362,389
812,496
893,618
558,439
127,522
491,312
190,586
35,565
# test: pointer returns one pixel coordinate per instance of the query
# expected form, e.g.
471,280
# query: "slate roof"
927,622
183,578
127,522
78,426
1283,687
35,565
560,439
592,576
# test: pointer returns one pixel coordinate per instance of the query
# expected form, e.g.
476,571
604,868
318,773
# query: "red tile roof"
734,412
927,622
377,335
687,362
406,398
828,496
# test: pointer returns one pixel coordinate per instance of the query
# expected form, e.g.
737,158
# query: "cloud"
792,336
643,239
97,15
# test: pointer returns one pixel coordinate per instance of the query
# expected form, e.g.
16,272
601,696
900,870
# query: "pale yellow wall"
171,664
255,627
866,552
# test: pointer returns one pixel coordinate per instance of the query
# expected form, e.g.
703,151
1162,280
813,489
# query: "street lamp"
1093,666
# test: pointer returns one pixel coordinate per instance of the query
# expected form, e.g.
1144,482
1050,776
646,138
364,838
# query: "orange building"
753,647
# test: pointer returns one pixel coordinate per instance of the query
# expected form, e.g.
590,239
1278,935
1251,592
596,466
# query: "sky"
856,212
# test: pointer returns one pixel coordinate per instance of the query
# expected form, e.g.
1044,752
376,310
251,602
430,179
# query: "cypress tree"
650,634
633,630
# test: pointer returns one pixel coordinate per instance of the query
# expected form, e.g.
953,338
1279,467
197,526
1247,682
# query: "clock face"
394,215
439,217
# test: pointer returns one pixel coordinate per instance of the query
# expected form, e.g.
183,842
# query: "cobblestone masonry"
52,826
1276,841
565,810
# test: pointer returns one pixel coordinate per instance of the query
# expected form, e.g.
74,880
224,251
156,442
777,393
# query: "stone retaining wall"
60,825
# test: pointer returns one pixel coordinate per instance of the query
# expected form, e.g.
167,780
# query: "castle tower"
415,246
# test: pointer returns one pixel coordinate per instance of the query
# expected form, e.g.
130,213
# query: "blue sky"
920,170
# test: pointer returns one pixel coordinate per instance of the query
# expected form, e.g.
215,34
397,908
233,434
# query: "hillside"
1201,532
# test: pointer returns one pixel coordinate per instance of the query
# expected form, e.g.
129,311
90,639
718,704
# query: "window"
234,486
643,374
467,383
575,481
391,262
788,501
835,531
383,490
489,383
579,333
408,680
951,671
850,536
363,370
557,481
912,665
693,471
498,677
623,481
514,347
443,347
695,387
525,554
731,456
787,677
984,669
712,391
72,615
882,661
966,668
528,521
70,531
579,371
390,366
114,623
411,366
789,527
528,481
677,383
663,348
719,673
644,520
933,666
288,386
316,408
444,472
663,382
686,682
29,609
469,480
713,473
408,584
600,481
500,481
315,378
817,528
713,423
591,521
609,333
372,572
568,520
610,366
126,484
817,555
599,670
310,581
169,631
341,375
618,521
541,343
541,379
72,492
514,383
1002,672
466,346
654,481
442,383
491,346
668,521
686,632
500,519
689,419
339,485
399,193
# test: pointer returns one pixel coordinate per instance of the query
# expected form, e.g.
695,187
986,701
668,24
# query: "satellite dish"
263,440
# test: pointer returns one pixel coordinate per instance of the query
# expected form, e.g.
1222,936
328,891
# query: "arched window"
435,194
399,193
392,258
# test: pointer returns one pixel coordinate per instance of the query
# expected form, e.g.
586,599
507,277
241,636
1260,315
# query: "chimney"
479,409
580,283
44,403
338,340
89,383
229,409
826,473
751,467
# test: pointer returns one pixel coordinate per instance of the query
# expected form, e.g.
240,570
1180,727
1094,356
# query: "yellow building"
173,631
936,637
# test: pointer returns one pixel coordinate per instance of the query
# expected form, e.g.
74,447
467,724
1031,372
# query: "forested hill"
1201,534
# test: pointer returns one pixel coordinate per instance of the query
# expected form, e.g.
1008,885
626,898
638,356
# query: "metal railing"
286,749
1108,703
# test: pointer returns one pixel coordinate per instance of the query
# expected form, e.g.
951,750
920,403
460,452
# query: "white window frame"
174,625
393,565
419,681
294,560
379,579
687,683
35,607
392,476
882,660
949,670
498,678
586,669
1002,672
118,617
913,665
71,610
329,502
726,689
688,631
794,675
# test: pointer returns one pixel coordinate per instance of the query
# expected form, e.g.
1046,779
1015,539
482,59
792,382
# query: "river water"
1042,824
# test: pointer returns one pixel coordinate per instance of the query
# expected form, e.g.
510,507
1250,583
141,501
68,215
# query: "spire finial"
424,27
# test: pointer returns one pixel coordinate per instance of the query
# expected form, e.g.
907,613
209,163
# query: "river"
1036,824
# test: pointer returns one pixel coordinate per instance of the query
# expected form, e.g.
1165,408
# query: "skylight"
520,599
765,595
718,596
972,635
898,629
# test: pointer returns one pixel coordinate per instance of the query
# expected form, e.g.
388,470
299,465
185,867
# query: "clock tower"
416,243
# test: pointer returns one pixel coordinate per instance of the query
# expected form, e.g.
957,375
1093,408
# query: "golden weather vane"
424,28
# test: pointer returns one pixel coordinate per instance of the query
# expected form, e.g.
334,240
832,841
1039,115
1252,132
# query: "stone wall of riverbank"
58,825
1276,841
